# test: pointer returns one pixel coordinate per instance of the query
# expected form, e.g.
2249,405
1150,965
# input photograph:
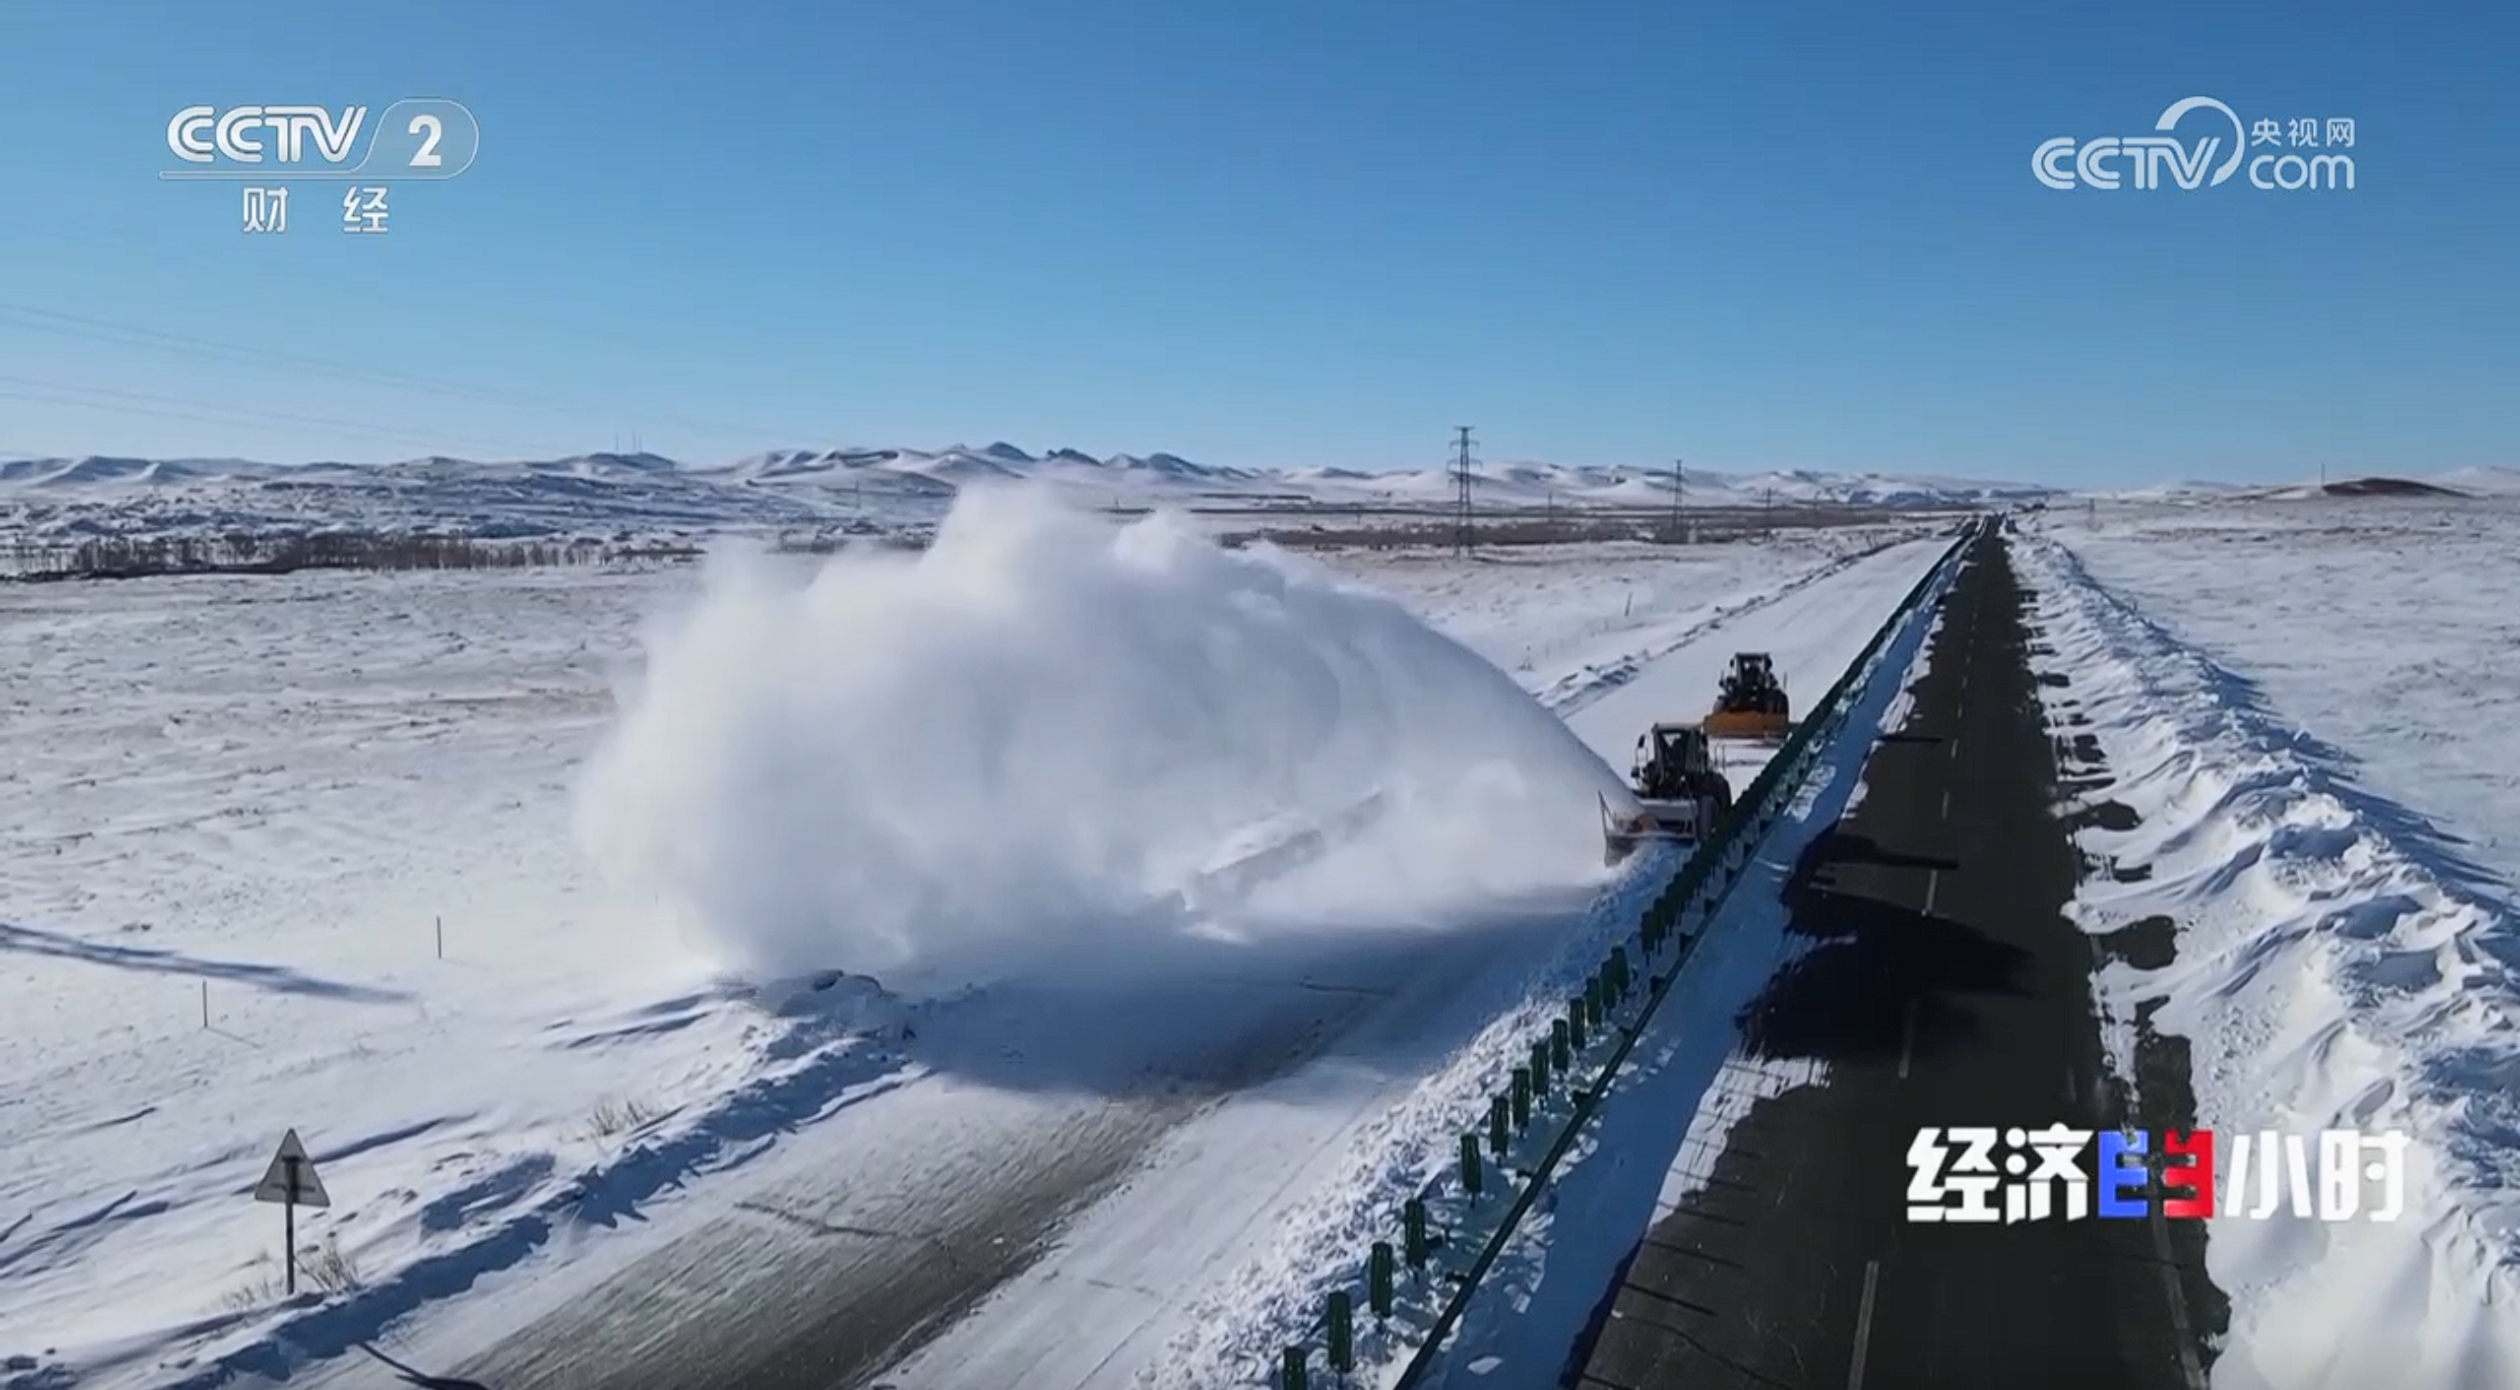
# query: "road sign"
291,1177
291,1181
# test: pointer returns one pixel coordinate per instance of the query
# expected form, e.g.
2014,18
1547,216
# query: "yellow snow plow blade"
1748,725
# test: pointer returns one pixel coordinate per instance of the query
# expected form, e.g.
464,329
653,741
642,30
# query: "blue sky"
1295,233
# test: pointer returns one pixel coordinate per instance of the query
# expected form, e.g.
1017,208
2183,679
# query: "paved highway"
1943,986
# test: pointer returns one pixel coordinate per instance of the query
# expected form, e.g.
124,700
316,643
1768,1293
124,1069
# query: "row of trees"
131,557
1562,530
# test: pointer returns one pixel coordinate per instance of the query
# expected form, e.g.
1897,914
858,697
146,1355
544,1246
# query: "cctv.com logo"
2306,153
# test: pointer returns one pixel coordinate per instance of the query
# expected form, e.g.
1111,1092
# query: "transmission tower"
1677,480
1462,476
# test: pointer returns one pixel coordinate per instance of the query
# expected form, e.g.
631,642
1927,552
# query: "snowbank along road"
2254,704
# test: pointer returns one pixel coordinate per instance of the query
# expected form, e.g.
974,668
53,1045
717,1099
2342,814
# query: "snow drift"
2334,968
1035,738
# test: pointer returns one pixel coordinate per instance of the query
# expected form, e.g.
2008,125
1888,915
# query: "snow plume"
1034,738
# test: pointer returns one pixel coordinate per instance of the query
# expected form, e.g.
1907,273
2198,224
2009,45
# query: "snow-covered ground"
2379,628
268,794
2478,481
59,501
2306,707
261,798
274,790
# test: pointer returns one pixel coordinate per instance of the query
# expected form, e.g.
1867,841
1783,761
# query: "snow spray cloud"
1036,733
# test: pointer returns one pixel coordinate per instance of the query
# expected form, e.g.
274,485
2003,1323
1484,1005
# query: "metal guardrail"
1604,1022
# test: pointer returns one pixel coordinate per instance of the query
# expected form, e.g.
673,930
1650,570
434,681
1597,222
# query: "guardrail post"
1575,1023
1473,1172
1522,1098
1413,1231
1293,1377
1539,1069
1342,1331
1592,1001
1378,1279
1499,1139
1561,1046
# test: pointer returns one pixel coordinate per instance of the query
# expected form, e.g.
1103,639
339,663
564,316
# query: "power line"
37,319
132,335
538,312
202,412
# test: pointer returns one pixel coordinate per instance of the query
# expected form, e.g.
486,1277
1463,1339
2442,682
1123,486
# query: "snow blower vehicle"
1750,702
1678,793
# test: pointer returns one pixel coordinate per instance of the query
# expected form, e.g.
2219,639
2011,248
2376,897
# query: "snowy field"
806,490
620,795
2307,707
263,797
2385,629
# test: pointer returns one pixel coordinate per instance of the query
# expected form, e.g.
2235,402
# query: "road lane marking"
1863,1326
1946,811
1933,881
2188,1367
1907,1039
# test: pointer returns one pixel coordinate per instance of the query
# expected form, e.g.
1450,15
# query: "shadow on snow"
275,978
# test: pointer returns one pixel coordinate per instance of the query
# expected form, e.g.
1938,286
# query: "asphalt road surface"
1943,987
865,1239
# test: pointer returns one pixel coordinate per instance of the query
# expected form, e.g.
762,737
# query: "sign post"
291,1181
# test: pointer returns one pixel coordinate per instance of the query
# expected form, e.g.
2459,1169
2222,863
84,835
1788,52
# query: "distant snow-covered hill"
2488,481
2484,482
612,493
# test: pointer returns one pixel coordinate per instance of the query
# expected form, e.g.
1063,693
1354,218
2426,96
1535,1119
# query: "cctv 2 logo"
421,138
